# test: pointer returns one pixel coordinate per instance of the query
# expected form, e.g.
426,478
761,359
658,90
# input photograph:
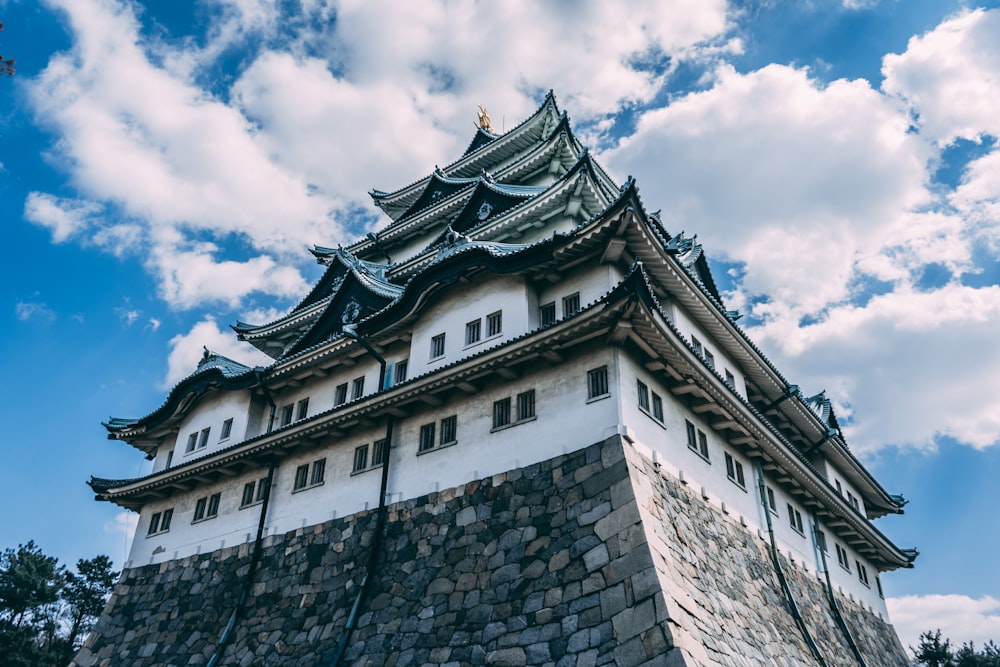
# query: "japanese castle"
520,316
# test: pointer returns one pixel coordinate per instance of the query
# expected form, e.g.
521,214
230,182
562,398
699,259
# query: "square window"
154,524
301,477
842,557
571,304
303,409
319,472
248,493
360,458
340,395
526,405
380,451
437,346
358,388
168,516
597,382
730,379
547,314
734,471
213,505
494,323
501,412
426,437
449,430
643,396
199,509
709,359
657,407
401,371
472,333
203,440
286,415
227,429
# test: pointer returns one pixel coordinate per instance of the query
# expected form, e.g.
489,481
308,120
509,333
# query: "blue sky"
163,167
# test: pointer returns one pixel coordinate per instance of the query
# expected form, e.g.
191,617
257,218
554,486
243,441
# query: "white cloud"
123,525
28,310
186,350
66,218
959,617
949,77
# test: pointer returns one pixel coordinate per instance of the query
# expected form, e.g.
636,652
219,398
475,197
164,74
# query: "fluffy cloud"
29,310
66,218
960,618
186,350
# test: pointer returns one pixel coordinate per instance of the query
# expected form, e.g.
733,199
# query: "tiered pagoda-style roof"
531,201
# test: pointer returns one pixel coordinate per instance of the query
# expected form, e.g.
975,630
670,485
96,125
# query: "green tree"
28,580
86,592
6,64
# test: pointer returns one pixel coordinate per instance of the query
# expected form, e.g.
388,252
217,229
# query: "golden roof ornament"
483,120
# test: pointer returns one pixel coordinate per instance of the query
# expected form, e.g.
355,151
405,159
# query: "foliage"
6,67
934,652
45,610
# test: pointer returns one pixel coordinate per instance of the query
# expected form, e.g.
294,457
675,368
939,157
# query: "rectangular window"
426,437
862,573
657,407
199,509
494,323
227,429
380,451
501,412
526,405
878,584
696,344
192,443
472,333
286,415
795,520
703,443
318,473
772,505
840,490
401,371
248,494
261,489
168,516
170,458
734,471
301,477
643,396
213,505
842,557
303,409
547,314
571,304
449,430
340,395
709,359
358,388
821,540
692,435
360,458
597,382
154,524
437,346
851,498
730,380
203,441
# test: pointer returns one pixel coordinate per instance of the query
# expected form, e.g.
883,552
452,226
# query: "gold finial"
483,120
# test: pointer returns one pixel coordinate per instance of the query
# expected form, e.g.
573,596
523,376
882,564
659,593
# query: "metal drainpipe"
380,517
255,556
834,607
781,574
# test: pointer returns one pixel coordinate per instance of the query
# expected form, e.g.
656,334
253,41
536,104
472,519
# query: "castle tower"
515,426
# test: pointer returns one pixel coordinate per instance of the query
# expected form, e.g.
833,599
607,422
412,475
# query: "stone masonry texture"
591,558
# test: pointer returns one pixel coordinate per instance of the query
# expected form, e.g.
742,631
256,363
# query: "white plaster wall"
834,476
210,412
666,444
462,304
723,362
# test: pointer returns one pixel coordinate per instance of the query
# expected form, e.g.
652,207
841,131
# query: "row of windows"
448,433
709,358
547,311
303,478
379,453
524,409
199,439
298,410
473,334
